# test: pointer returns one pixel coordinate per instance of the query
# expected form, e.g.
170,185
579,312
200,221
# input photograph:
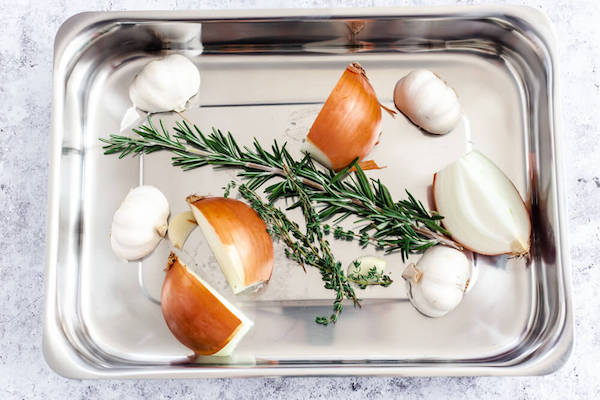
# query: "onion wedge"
199,317
349,124
238,238
481,207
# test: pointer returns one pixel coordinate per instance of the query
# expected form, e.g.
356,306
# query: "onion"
198,316
180,227
482,209
238,238
349,124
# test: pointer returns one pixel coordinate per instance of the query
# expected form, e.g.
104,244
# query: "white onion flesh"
481,207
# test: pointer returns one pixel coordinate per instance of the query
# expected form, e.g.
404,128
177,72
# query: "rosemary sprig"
404,226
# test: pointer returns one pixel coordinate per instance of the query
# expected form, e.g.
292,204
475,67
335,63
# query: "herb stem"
303,251
404,226
428,233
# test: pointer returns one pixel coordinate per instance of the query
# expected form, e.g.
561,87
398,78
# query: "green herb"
227,189
306,248
372,277
404,225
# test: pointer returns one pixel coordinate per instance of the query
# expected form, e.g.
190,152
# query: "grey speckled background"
26,41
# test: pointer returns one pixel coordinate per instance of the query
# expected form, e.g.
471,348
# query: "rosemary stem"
407,225
440,238
315,185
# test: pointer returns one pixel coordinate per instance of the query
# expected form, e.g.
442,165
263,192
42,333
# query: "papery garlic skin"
165,85
139,223
437,283
482,209
427,101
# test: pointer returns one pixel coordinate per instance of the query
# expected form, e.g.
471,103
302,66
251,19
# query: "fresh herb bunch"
404,225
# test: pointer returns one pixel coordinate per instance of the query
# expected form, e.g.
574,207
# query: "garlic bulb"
139,223
427,101
437,283
165,85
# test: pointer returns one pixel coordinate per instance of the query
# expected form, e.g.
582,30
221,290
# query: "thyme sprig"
372,277
306,248
404,226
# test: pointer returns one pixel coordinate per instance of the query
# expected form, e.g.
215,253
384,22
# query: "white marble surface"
27,32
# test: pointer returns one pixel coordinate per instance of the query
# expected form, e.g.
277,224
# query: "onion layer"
198,316
481,207
349,123
238,238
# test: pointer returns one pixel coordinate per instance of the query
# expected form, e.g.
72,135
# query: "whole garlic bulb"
165,85
427,101
437,283
139,223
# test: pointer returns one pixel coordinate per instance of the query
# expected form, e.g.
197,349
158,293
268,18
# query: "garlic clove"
427,101
365,264
238,238
139,223
481,207
437,283
165,84
349,123
180,227
197,315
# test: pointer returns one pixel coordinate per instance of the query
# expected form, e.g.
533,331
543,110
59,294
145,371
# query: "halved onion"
198,316
180,227
238,238
481,207
349,124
